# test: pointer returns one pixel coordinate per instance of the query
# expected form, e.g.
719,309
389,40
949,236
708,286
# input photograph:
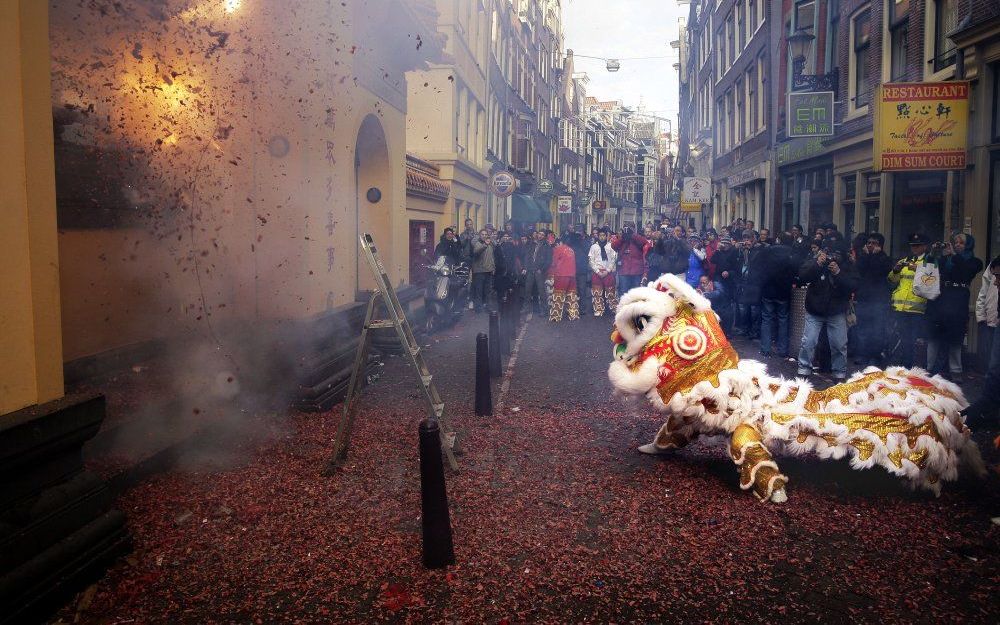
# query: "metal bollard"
496,363
484,394
504,306
439,551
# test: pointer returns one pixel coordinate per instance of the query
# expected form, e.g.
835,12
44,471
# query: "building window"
860,77
730,40
731,120
805,20
752,22
898,29
995,73
945,16
832,38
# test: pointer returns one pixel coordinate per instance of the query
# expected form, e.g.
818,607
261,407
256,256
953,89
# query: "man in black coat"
536,260
577,240
727,268
749,286
832,278
872,299
779,267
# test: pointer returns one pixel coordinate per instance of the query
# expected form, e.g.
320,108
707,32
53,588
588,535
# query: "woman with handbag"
948,314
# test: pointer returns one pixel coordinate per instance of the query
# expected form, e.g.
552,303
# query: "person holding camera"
908,308
948,315
631,248
483,268
832,279
872,298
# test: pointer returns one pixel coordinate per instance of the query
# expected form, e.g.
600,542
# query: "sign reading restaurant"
921,126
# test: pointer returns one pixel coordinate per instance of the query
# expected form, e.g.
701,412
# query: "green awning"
523,208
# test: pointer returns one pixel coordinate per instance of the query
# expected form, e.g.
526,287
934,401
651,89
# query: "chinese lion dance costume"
669,347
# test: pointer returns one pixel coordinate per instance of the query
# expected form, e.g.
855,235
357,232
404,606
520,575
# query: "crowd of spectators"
862,300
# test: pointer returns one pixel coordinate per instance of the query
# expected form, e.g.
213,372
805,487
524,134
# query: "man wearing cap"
695,261
908,307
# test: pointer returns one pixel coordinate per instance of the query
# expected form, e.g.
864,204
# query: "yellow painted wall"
30,343
259,222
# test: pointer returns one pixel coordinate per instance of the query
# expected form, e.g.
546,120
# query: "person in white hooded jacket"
603,261
986,308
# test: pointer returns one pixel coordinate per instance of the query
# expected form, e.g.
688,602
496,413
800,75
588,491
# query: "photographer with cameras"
832,279
948,315
631,248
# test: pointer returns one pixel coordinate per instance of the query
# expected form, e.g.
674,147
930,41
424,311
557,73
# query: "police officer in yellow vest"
907,307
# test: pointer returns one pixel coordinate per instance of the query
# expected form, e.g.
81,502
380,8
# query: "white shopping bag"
927,281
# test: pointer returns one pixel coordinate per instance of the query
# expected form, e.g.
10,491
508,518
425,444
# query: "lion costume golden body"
669,348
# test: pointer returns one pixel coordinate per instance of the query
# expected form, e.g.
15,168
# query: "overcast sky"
622,29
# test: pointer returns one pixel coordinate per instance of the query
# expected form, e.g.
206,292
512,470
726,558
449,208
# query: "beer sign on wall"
921,126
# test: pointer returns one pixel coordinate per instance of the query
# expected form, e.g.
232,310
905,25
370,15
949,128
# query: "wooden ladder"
385,293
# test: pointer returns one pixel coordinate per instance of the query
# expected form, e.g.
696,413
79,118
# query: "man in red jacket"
563,274
630,247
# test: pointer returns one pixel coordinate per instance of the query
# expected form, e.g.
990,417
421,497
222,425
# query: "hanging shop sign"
691,207
565,204
696,191
503,184
545,186
600,205
810,114
921,126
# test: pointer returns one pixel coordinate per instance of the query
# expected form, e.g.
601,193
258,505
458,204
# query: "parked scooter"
447,292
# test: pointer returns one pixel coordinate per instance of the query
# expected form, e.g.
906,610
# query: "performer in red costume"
563,274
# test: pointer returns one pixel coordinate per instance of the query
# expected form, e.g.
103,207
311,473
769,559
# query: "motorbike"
447,291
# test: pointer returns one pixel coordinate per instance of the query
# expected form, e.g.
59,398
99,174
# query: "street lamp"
798,44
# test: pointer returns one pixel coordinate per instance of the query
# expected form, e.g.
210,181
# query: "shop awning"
523,208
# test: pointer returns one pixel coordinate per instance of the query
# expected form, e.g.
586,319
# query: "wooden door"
422,243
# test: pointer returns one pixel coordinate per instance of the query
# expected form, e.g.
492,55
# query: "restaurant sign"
921,126
696,190
799,150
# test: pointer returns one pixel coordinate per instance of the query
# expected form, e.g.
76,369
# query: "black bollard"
496,363
439,551
505,327
511,325
484,395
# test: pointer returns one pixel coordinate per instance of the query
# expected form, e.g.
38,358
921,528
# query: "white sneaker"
597,314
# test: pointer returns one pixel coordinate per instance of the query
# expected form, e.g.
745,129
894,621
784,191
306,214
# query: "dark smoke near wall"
205,189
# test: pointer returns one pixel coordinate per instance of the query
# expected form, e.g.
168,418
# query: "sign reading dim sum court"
921,126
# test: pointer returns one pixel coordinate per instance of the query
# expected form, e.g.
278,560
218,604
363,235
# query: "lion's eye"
641,322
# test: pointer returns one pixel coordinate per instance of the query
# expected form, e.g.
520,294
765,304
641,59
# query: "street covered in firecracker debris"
556,517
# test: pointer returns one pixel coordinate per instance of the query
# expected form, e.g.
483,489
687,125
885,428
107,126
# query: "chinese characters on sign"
696,193
810,114
921,126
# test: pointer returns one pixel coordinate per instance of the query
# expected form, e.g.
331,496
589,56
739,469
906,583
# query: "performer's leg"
611,292
556,308
757,470
673,434
572,299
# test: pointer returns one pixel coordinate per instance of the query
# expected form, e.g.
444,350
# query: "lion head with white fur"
666,338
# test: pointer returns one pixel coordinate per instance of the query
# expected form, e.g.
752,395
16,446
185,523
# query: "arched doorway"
373,197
